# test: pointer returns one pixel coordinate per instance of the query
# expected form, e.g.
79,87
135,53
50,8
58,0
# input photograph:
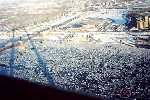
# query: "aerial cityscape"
99,48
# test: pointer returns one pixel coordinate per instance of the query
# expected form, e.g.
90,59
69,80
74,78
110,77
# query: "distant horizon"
21,1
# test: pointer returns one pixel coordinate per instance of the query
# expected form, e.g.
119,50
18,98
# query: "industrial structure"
139,25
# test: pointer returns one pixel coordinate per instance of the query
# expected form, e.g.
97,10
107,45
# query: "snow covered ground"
90,63
109,70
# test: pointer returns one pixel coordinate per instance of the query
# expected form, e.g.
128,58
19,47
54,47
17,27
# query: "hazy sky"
16,0
20,1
